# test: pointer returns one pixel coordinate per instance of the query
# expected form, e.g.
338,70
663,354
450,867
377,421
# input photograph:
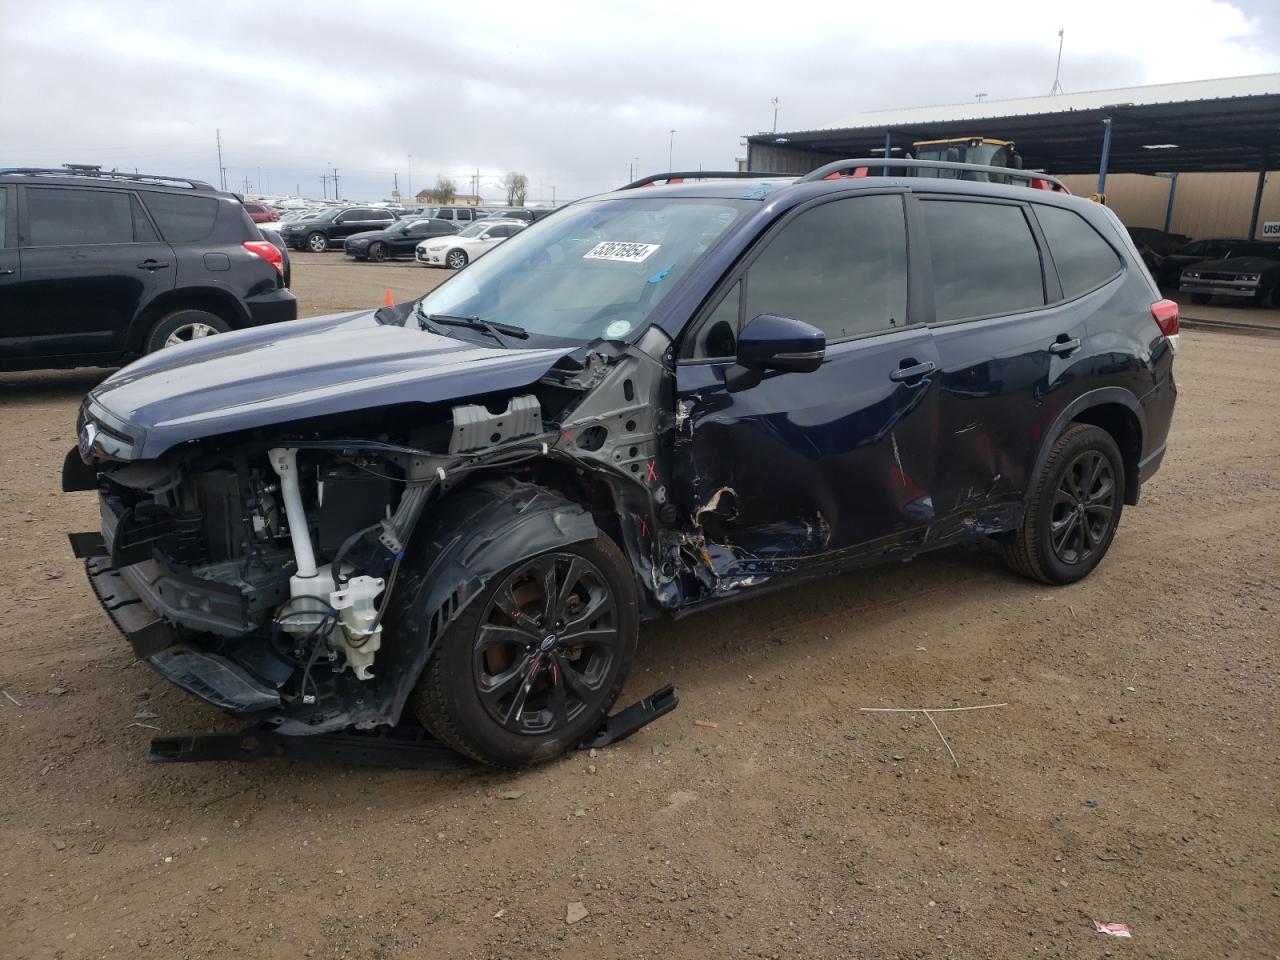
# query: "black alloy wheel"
1083,506
378,252
546,645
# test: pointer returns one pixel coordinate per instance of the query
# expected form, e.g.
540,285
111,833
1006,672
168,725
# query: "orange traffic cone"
388,300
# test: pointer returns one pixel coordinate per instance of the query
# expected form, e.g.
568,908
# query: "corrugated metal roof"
1192,90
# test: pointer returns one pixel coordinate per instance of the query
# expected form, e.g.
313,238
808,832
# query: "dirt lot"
1131,777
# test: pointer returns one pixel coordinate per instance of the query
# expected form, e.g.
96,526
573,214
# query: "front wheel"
1074,509
317,243
378,252
456,259
537,659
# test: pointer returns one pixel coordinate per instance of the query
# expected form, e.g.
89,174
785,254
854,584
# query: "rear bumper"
278,306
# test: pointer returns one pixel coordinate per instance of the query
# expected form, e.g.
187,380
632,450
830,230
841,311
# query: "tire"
1201,298
317,242
378,252
1073,510
551,691
456,259
182,326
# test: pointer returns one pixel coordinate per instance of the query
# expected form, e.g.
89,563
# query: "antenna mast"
1057,87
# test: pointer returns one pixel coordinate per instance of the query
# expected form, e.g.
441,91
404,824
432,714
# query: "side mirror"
775,343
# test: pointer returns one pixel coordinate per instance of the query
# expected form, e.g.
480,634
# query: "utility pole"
671,147
775,101
1057,87
258,184
395,177
336,194
409,186
553,195
324,186
222,171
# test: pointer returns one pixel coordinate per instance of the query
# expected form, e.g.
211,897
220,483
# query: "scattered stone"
579,812
500,914
591,768
59,845
1107,858
709,724
577,911
592,753
657,750
922,649
96,847
510,794
899,757
56,691
1091,804
142,695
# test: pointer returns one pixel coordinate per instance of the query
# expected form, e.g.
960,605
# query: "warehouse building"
1192,158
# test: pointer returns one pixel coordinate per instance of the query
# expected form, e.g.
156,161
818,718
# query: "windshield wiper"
491,327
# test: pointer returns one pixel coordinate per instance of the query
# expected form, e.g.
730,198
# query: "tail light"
268,252
1165,314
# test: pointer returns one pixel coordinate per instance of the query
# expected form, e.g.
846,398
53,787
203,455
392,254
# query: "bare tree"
445,191
517,185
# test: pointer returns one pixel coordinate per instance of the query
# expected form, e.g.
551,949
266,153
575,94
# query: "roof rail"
704,175
840,166
95,173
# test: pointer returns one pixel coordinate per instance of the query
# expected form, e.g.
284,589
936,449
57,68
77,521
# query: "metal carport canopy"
1230,124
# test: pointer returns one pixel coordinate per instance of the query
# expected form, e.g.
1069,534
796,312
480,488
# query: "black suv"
328,228
656,401
98,268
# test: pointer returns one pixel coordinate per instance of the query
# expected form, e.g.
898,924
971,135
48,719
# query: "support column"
1257,196
1106,156
888,147
1168,211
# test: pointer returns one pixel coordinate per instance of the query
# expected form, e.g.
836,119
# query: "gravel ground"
1131,776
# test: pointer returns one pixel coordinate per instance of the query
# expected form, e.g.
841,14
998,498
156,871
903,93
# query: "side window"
384,215
67,217
985,260
4,212
143,231
841,266
1084,260
418,229
463,215
182,219
440,227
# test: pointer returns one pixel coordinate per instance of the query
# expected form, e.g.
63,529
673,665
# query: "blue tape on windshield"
758,193
661,274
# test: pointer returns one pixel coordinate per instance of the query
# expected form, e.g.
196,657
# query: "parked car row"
1220,266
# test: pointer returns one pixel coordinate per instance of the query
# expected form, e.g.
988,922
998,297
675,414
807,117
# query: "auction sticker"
617,329
621,251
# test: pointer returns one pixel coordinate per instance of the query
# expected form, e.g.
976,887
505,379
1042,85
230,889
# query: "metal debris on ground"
1091,804
145,715
1113,929
11,697
709,724
510,794
147,726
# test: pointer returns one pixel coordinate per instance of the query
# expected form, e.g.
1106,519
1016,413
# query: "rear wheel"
456,259
1074,509
378,252
183,326
537,659
317,243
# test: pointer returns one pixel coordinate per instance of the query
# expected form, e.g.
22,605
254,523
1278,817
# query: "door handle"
1064,346
150,264
7,273
913,372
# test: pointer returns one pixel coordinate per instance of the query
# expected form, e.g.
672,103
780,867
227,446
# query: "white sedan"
461,248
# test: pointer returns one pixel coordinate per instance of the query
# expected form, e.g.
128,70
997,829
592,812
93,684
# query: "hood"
1236,265
289,371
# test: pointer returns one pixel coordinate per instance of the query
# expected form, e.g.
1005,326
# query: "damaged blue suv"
659,399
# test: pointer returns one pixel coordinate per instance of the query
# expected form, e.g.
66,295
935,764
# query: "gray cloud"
361,89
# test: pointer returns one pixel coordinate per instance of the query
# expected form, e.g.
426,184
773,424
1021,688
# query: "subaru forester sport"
658,400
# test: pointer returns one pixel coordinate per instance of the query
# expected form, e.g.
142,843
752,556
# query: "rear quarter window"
182,219
1084,260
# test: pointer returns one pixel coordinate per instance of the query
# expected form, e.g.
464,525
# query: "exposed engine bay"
271,564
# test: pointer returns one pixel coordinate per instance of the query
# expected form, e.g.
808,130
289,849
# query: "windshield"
474,230
596,269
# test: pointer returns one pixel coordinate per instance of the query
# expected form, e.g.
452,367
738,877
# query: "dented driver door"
826,466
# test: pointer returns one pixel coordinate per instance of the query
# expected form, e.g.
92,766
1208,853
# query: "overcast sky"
570,94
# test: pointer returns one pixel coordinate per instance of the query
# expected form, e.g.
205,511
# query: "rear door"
355,220
402,243
12,342
90,258
1008,343
829,465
